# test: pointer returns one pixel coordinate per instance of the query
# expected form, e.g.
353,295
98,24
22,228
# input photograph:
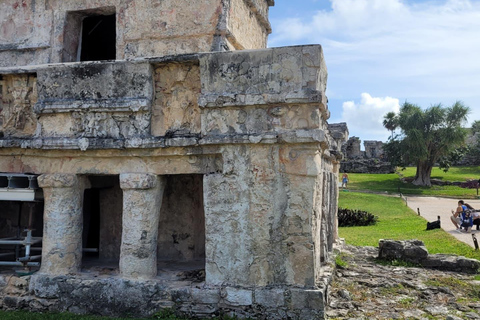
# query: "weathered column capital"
57,180
138,181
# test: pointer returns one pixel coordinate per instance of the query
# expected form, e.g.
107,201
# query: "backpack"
434,224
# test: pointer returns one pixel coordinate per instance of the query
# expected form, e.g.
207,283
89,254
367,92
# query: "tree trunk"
422,177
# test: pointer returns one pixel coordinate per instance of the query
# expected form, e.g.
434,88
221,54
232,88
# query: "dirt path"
431,207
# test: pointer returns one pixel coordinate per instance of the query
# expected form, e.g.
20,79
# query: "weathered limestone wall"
373,149
246,129
18,94
42,31
264,246
175,109
248,18
352,148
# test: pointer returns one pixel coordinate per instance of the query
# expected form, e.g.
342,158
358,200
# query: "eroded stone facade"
203,182
48,31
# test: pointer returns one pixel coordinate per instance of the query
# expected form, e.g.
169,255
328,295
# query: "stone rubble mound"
365,289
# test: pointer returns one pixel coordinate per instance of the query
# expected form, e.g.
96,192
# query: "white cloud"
422,51
367,116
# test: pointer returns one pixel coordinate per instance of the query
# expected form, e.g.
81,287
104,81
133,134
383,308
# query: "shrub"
352,218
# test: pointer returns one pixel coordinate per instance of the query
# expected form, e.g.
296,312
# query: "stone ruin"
352,150
369,161
145,163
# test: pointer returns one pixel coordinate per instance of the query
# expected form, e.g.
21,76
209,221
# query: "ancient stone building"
352,148
149,175
373,149
369,161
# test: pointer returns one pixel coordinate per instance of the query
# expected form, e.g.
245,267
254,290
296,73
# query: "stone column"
62,223
142,200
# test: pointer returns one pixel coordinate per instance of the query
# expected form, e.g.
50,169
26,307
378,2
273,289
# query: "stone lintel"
136,104
138,181
296,136
242,100
106,86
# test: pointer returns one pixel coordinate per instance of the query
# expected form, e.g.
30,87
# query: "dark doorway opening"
91,223
181,236
98,38
102,224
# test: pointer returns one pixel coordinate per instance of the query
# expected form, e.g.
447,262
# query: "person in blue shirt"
462,217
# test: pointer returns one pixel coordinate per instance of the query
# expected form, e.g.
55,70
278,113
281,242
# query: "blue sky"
381,53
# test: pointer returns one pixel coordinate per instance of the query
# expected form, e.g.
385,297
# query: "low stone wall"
115,296
414,251
366,166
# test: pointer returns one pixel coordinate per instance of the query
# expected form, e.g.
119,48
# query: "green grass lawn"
453,174
397,221
391,183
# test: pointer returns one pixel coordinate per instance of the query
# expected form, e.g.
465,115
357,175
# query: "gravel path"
431,207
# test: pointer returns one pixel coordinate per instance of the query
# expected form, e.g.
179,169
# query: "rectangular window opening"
90,35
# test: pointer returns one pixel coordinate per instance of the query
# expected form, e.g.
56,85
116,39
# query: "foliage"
475,126
350,218
446,161
426,136
390,122
396,263
396,221
340,262
167,314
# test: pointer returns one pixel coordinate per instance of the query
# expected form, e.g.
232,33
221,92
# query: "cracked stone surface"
364,289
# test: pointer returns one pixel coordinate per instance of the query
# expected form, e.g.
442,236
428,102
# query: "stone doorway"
181,232
102,222
180,249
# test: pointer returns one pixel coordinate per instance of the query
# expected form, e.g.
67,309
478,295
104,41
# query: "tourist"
462,217
476,219
344,180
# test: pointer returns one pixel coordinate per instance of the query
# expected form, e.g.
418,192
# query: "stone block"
270,298
262,77
57,180
137,181
181,295
238,297
107,87
308,299
203,309
44,286
206,296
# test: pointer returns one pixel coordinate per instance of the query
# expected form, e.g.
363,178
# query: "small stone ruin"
371,160
147,161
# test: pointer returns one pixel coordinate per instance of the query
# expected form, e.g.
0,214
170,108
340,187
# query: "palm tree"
390,122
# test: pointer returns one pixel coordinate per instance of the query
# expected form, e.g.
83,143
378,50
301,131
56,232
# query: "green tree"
475,126
426,136
390,122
